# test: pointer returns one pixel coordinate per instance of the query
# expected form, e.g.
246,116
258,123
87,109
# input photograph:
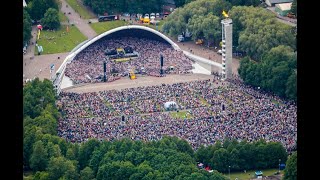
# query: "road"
125,82
80,23
286,20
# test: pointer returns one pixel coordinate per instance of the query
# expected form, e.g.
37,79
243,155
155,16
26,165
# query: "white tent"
167,104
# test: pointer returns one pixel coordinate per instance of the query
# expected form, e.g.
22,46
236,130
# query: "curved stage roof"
130,30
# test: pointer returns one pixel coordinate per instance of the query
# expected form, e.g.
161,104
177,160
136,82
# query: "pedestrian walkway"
74,18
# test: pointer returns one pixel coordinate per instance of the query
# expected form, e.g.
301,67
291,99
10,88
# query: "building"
283,9
274,2
226,48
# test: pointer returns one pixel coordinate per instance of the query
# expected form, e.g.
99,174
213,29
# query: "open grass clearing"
101,27
59,41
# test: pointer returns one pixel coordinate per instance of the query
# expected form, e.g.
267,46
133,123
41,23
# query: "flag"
225,14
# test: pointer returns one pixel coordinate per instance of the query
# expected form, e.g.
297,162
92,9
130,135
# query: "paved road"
125,82
286,20
74,18
39,66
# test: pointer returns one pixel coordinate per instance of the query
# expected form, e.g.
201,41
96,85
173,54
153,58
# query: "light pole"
229,173
279,165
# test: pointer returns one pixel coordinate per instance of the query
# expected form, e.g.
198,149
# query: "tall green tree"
39,157
86,174
86,150
220,160
26,26
294,7
290,172
60,167
36,95
291,86
37,8
51,19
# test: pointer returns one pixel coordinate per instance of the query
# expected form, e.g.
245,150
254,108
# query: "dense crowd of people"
233,110
87,66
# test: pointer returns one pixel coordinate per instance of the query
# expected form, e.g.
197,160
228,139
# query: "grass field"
181,115
59,41
80,9
101,27
62,17
204,101
27,175
250,174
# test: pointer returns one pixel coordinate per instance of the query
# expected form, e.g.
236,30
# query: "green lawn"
276,102
27,175
249,174
59,41
101,27
62,17
80,9
181,115
204,101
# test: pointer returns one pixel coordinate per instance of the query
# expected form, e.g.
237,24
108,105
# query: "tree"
39,157
220,160
51,19
36,95
291,86
37,8
86,150
41,175
61,168
86,174
26,26
290,172
202,18
294,7
53,150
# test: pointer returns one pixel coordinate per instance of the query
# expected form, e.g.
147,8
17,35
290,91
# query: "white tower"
226,48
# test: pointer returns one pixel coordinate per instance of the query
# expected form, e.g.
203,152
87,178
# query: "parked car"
219,51
180,38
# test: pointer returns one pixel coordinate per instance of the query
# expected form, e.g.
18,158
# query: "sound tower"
161,64
161,60
104,71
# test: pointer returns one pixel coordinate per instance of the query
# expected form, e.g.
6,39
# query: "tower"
226,48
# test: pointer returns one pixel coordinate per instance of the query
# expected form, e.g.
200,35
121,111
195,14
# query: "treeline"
276,72
122,6
242,155
256,31
51,157
37,8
